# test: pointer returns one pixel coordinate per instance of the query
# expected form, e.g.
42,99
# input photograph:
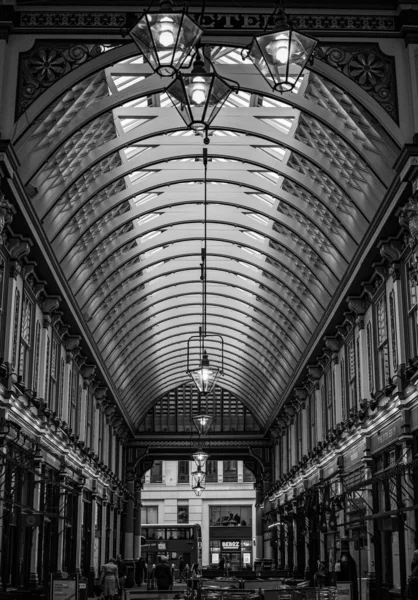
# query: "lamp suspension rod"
205,236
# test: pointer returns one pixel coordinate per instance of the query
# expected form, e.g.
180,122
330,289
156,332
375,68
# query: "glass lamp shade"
198,489
202,423
198,96
205,377
200,457
199,477
281,56
166,39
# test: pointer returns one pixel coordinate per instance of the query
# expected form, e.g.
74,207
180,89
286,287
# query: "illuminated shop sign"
228,545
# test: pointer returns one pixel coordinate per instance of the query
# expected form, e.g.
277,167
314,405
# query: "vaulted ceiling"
117,183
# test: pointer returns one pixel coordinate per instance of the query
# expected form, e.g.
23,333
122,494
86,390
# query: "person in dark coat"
122,571
163,574
222,564
181,567
140,571
348,572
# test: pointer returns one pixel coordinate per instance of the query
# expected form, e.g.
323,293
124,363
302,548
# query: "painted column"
33,577
93,574
259,520
369,523
61,520
137,533
78,538
129,533
103,557
118,529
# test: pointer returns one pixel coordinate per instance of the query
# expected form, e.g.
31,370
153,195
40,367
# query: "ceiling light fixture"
281,55
199,95
202,423
166,38
200,457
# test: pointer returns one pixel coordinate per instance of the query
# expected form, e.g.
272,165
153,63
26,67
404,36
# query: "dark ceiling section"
174,413
117,183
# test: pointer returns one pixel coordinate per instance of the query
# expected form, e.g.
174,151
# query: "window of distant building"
182,514
230,471
248,475
157,472
149,515
212,471
230,516
183,471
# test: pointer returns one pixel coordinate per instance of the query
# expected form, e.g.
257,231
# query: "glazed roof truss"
294,182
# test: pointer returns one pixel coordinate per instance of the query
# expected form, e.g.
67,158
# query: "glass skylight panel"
254,235
132,60
137,176
143,198
148,236
129,123
132,151
147,218
182,132
270,200
239,100
229,56
272,103
251,251
151,252
248,266
224,132
152,267
141,102
269,175
246,279
124,81
275,151
283,124
259,218
165,100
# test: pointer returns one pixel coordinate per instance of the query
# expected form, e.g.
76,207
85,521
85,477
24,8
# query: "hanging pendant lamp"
199,95
166,38
281,55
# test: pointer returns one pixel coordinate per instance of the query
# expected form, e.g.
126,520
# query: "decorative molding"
369,67
232,21
408,218
6,216
47,62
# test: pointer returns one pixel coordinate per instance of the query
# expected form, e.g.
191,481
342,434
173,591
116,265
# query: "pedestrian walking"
109,579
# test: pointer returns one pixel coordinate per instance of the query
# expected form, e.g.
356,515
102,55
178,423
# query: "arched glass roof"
293,184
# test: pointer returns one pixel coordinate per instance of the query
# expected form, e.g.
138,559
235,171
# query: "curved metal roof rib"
293,183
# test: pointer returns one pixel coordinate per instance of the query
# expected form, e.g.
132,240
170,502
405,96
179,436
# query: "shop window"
15,328
352,384
157,472
382,343
230,516
411,279
53,392
35,380
230,471
149,515
370,357
248,476
25,340
182,514
183,471
212,471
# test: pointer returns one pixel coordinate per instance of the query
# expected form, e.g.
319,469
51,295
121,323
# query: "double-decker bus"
173,540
